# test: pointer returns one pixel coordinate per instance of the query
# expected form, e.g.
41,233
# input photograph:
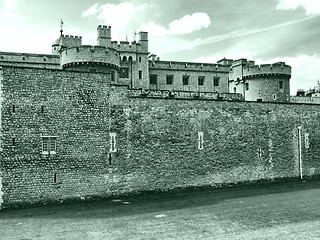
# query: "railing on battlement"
148,93
188,66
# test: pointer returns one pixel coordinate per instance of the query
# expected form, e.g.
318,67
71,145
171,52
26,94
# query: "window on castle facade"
185,79
49,145
113,76
140,74
280,85
201,80
113,142
124,72
153,78
200,140
216,81
139,59
247,86
169,79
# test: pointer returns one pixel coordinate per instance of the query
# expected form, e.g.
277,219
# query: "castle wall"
71,106
156,141
241,142
193,70
308,100
29,60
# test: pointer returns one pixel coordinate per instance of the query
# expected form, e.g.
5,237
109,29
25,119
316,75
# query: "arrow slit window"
200,140
113,142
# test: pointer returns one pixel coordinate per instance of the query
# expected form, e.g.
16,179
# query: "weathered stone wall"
157,140
242,142
29,60
70,105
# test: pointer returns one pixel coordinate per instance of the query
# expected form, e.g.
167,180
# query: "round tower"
266,82
90,58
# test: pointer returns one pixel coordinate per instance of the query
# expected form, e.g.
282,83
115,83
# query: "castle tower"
143,40
104,36
265,82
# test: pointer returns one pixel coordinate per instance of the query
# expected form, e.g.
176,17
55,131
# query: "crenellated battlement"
279,68
188,66
90,54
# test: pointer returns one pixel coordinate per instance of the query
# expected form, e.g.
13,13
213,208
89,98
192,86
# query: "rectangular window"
140,74
280,85
216,81
185,79
169,79
49,145
200,140
113,76
201,80
113,142
153,78
247,86
124,72
139,59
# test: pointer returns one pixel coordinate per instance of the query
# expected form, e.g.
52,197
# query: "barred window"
49,145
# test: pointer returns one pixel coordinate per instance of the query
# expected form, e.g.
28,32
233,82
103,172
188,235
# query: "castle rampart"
188,66
29,60
267,69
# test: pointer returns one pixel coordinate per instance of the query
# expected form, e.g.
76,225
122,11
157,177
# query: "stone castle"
113,119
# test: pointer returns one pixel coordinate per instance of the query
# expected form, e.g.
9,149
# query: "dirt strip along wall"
156,140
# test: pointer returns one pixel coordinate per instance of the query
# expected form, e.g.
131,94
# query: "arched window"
124,58
130,59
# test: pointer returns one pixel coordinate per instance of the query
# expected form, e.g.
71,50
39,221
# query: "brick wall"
242,142
70,105
156,139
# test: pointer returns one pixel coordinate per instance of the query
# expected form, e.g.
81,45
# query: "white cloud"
118,16
189,23
93,10
184,25
310,6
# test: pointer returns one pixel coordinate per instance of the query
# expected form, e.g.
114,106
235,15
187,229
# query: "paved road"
273,211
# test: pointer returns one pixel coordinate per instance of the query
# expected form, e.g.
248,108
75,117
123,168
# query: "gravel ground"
269,211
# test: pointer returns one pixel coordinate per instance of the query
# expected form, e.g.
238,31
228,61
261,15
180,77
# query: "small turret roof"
57,41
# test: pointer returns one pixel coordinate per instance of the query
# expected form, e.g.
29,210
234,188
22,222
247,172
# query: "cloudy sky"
266,31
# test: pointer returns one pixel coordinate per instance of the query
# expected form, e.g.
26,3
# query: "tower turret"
143,40
104,36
